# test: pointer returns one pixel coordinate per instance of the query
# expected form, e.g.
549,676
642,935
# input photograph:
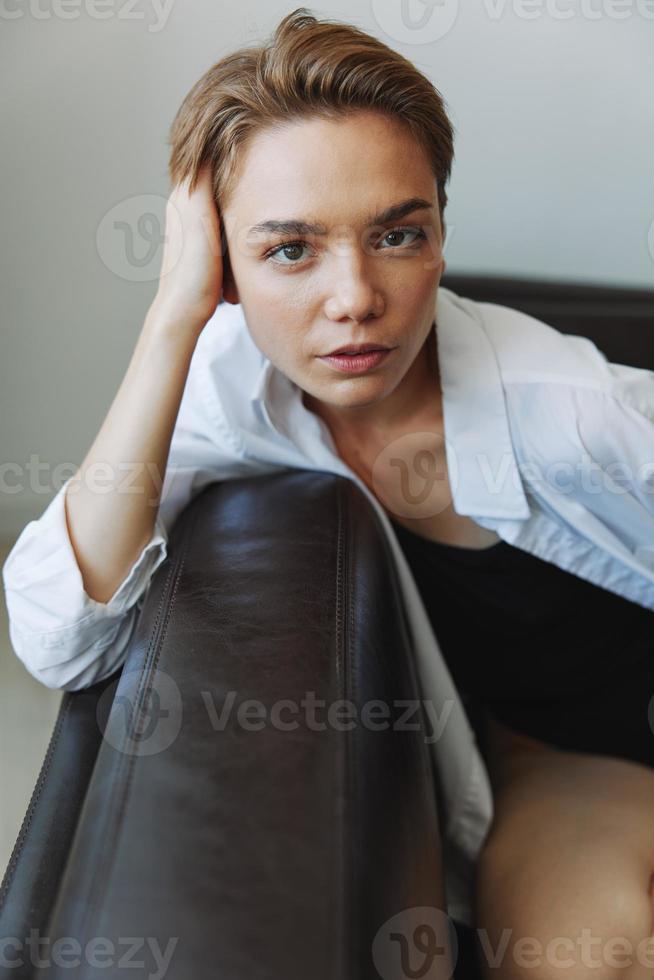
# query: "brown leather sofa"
175,826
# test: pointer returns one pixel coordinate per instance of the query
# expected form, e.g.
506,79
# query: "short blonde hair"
309,67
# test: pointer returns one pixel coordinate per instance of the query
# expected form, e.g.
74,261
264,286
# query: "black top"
543,648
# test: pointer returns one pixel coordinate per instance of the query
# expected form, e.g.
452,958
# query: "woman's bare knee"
573,911
563,883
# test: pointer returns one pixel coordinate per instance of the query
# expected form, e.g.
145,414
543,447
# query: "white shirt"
548,444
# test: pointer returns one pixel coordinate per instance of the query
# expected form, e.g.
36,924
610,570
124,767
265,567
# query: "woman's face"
351,280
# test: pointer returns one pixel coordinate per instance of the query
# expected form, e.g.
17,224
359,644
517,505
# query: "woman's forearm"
112,502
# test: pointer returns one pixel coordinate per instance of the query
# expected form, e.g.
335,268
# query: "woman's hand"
191,277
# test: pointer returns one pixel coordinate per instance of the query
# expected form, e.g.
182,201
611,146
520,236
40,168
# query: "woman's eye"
287,246
406,231
291,247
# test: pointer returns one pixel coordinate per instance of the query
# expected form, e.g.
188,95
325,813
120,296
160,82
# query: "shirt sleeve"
66,639
615,427
588,451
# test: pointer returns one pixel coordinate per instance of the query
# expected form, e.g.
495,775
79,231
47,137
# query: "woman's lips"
357,363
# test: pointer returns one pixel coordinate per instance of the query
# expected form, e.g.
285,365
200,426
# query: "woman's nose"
353,292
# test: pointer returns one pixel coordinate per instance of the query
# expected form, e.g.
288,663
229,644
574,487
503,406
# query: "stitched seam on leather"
430,773
352,736
430,790
338,899
124,771
31,809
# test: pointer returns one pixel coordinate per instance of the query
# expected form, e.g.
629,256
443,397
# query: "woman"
321,161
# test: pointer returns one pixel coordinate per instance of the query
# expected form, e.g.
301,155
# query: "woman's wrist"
168,323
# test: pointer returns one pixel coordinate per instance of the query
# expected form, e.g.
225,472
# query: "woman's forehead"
315,183
309,149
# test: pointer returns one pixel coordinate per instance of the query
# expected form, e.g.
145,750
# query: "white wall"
554,172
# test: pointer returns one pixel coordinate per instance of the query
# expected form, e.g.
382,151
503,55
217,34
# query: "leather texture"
39,856
267,853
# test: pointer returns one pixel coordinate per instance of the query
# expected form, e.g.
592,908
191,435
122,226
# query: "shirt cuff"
43,582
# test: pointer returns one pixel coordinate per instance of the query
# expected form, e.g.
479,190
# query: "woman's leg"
563,885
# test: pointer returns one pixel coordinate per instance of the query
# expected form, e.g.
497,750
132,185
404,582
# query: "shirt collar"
278,400
261,396
482,467
481,460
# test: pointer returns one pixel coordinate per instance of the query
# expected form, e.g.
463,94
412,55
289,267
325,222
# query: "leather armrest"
245,843
33,875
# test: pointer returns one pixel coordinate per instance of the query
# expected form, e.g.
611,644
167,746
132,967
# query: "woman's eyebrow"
294,227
